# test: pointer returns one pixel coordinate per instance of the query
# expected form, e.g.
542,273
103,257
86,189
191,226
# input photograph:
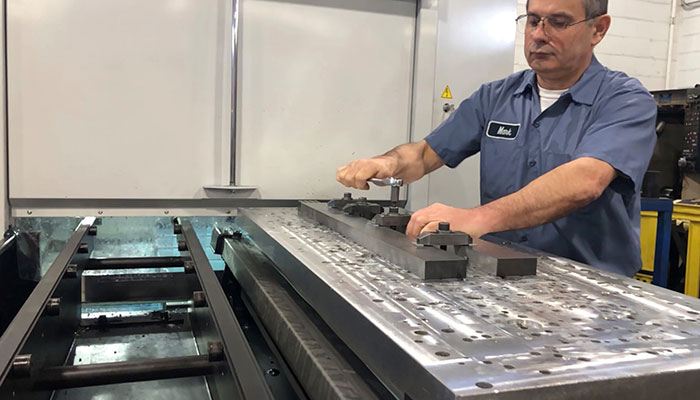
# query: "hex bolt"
347,196
92,231
181,245
444,227
83,248
53,307
177,229
71,271
198,299
395,192
22,366
215,350
189,267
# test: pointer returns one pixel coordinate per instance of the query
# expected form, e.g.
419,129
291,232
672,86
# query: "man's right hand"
356,173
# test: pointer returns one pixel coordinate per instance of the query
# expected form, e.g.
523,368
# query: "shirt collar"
583,91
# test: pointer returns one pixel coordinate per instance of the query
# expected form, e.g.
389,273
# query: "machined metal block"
500,260
426,262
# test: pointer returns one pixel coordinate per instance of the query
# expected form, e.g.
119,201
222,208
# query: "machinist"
564,147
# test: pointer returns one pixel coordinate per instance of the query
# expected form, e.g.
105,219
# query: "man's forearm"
549,197
413,160
409,162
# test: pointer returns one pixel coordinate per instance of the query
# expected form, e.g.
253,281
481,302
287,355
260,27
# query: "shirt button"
532,163
536,124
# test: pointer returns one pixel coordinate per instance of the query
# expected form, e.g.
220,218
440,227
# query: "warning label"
446,94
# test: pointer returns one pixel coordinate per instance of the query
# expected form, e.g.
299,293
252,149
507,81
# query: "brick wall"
637,42
685,70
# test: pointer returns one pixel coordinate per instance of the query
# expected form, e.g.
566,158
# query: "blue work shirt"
605,115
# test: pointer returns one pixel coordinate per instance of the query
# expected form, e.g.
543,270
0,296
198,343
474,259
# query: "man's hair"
593,8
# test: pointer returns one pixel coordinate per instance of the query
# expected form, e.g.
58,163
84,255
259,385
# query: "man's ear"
600,27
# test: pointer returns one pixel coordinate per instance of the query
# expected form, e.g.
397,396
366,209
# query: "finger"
415,224
340,174
430,227
362,177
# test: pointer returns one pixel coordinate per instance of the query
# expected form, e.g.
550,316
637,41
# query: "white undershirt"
548,97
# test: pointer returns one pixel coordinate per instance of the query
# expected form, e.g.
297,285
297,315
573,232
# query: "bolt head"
444,227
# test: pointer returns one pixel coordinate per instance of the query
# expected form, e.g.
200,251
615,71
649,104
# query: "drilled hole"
466,339
422,333
545,372
535,353
484,385
448,330
442,353
584,359
508,366
377,300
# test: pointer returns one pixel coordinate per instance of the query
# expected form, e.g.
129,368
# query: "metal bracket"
394,219
445,237
362,208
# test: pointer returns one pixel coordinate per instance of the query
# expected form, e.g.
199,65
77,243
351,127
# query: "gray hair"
593,8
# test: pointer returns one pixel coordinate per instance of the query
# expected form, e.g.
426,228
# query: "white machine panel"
468,54
322,82
118,99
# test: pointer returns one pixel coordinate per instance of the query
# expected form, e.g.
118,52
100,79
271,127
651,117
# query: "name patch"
502,130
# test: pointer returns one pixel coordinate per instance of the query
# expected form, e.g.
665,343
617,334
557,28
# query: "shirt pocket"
502,167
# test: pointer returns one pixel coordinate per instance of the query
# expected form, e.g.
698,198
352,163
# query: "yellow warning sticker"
446,94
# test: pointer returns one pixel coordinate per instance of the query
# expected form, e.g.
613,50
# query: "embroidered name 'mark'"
502,130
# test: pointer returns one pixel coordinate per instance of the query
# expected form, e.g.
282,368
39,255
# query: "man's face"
558,53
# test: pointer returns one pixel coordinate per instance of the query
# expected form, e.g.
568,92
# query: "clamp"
444,237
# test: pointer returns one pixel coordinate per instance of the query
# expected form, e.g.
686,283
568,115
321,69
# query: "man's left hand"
427,220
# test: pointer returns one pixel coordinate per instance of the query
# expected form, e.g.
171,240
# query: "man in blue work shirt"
564,147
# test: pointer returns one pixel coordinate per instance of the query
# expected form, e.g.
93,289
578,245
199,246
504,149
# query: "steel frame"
321,368
32,327
244,377
40,339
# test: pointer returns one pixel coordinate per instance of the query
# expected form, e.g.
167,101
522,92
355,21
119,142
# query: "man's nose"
538,33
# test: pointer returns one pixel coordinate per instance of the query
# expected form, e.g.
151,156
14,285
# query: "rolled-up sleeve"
459,136
623,132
